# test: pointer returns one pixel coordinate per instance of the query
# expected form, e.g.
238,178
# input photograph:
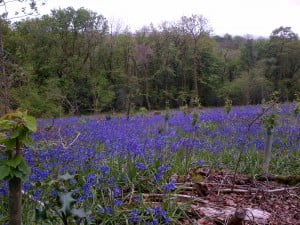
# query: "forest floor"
215,200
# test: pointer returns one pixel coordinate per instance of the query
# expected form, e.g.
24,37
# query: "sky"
236,17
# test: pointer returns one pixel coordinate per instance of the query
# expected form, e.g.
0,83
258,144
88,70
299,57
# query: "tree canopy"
78,62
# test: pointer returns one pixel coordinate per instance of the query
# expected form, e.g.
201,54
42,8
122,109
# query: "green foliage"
249,88
15,129
143,110
72,62
63,206
40,102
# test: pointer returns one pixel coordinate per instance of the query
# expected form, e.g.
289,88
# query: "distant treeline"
78,62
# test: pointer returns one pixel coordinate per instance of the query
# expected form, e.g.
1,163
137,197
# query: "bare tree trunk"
195,73
147,96
147,89
128,106
268,149
15,195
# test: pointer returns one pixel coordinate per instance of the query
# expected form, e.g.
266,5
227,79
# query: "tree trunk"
128,106
147,89
15,201
15,195
268,149
147,98
195,74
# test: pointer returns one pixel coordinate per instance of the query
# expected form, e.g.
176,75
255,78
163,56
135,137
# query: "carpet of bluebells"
108,164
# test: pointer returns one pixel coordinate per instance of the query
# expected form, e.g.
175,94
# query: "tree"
27,8
283,61
13,165
143,56
196,27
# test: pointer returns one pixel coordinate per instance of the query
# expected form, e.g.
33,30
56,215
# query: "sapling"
15,131
269,122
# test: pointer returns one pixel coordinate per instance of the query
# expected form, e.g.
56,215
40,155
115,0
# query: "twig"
221,184
187,197
65,146
131,194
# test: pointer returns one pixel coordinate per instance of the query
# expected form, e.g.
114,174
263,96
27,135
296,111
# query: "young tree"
15,130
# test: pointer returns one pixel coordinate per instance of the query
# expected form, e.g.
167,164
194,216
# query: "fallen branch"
185,197
236,190
65,146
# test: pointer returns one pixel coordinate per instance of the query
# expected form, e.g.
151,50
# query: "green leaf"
6,124
16,133
30,123
19,174
24,168
15,161
28,142
10,144
3,138
4,171
66,176
66,201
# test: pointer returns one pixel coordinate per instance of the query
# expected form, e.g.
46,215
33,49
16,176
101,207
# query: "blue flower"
167,220
200,162
118,202
170,186
54,192
137,198
117,192
104,170
141,166
109,210
3,192
134,217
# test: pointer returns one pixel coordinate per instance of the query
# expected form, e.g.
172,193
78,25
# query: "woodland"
73,62
130,128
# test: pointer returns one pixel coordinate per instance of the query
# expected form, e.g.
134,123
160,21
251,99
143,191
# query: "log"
222,213
218,213
290,180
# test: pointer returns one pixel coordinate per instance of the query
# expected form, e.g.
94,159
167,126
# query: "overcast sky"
237,17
